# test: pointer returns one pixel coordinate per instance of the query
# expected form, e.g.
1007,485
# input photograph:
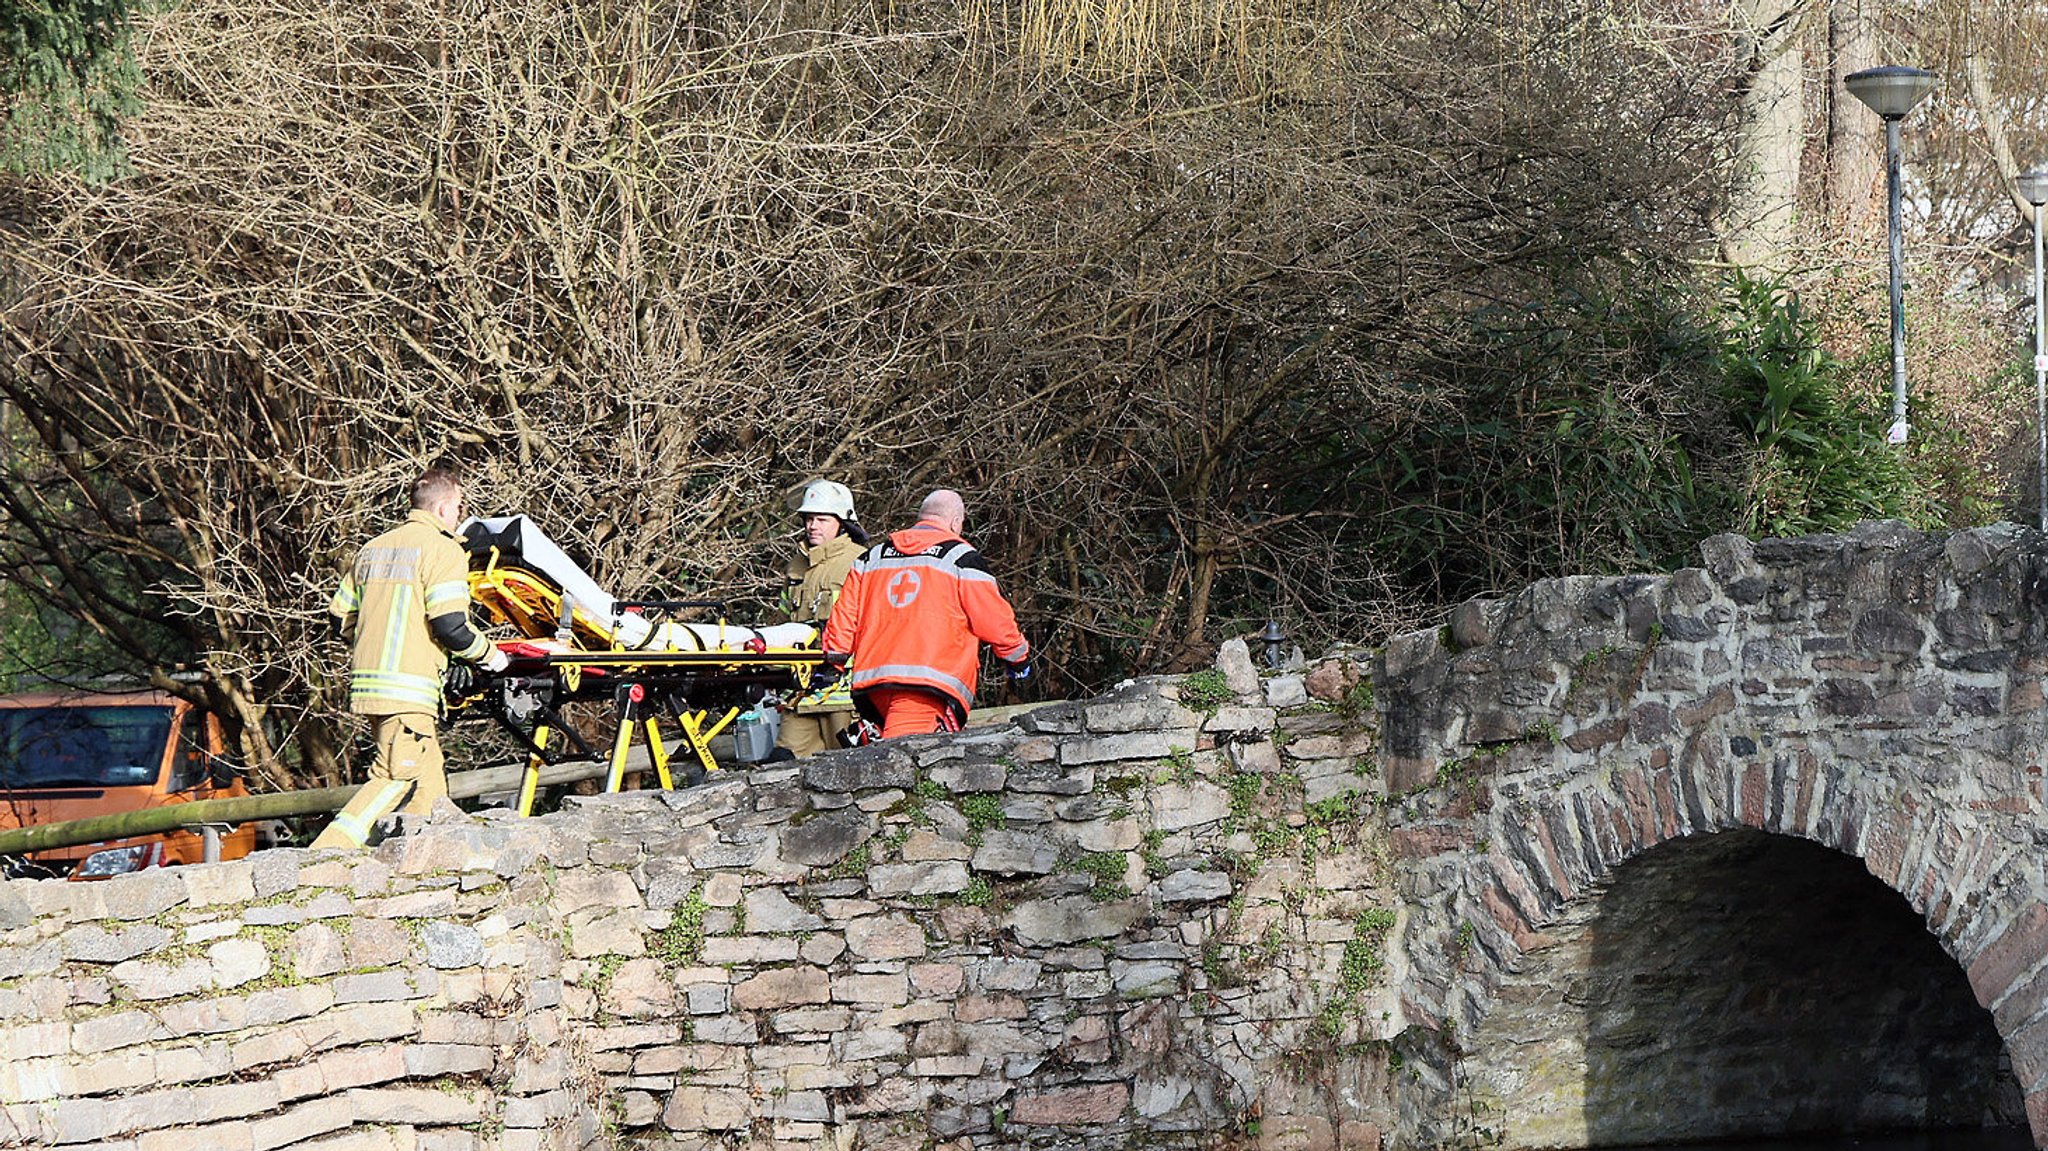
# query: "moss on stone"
1205,691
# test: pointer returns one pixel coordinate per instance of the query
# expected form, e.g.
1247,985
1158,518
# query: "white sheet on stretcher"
538,552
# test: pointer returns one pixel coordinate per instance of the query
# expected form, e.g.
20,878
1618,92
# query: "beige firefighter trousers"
807,735
406,777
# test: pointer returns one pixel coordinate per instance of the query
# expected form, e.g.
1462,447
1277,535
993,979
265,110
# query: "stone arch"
1508,949
1878,695
1743,984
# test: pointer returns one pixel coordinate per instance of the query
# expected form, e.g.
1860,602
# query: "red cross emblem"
903,587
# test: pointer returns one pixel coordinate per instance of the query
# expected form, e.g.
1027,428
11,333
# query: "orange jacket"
912,610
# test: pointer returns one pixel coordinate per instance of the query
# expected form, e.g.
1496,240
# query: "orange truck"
75,755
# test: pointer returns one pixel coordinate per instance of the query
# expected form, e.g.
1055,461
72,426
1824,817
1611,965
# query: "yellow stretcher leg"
700,737
658,752
531,783
616,778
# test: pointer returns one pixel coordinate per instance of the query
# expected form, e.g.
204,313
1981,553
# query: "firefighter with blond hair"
404,609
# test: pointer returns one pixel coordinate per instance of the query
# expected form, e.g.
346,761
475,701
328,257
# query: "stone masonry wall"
1138,916
1879,694
1207,912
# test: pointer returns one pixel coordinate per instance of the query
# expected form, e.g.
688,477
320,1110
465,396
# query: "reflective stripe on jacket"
913,610
402,579
815,578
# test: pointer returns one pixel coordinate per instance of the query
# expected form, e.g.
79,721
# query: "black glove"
824,676
459,682
1021,670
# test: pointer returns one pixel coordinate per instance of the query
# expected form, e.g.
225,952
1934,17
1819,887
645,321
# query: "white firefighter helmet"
827,498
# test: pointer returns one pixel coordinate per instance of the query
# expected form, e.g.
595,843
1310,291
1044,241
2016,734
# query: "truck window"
82,746
188,768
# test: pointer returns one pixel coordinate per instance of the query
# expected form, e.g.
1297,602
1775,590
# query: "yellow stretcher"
572,643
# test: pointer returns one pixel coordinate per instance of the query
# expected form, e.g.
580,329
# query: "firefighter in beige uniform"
833,539
405,610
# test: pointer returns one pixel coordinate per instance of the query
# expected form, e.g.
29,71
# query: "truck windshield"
82,746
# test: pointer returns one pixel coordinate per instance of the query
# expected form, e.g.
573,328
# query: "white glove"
495,659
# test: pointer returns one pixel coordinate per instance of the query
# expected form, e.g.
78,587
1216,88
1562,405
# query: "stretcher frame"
571,656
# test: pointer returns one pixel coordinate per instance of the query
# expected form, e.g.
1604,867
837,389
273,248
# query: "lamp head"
1892,90
2033,186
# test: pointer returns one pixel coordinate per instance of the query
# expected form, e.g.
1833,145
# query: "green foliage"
1271,837
1244,794
1330,1020
1204,691
1461,944
1214,969
910,809
1820,461
37,646
1596,655
983,811
1357,702
1179,765
1465,774
1338,810
1149,851
68,77
1364,955
682,941
978,893
1563,433
1107,869
854,863
127,634
1598,429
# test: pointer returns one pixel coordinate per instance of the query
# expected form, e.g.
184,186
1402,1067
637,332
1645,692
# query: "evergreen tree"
67,77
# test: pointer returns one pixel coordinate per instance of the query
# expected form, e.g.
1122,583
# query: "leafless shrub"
642,270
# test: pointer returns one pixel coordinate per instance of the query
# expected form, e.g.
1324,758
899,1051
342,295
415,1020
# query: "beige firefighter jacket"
814,579
403,578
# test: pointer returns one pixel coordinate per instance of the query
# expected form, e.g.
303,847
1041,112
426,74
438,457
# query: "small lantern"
1274,640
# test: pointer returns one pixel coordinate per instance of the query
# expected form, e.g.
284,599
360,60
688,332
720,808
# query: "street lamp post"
2033,188
1891,91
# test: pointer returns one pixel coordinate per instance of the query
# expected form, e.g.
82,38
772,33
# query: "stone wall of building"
1144,915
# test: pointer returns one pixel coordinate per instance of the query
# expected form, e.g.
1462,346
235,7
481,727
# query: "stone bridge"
1750,848
1754,847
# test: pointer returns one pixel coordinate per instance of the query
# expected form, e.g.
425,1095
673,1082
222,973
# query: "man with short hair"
404,608
912,615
